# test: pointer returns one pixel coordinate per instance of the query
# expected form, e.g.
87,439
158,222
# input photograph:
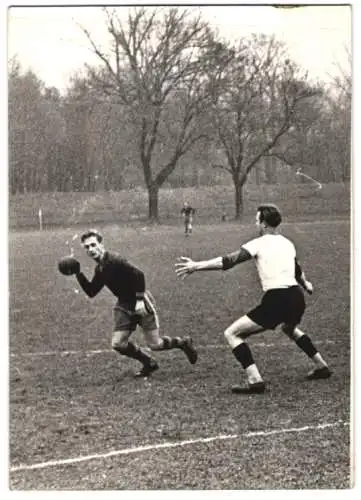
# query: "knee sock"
134,352
305,343
171,343
243,354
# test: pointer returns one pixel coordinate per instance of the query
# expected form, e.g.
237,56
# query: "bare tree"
320,137
160,63
33,127
343,81
258,106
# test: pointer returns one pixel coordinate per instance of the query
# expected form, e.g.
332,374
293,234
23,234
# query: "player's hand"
140,308
308,287
184,267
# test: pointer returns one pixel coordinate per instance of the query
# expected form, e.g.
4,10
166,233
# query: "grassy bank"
131,207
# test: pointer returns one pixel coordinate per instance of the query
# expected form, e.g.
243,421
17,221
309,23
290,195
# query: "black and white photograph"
180,267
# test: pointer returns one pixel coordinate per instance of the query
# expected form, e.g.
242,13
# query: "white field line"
158,446
103,351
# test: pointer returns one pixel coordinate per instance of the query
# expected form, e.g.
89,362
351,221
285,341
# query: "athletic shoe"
256,388
319,373
147,369
189,350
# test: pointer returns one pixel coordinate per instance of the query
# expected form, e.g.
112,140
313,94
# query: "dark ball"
68,266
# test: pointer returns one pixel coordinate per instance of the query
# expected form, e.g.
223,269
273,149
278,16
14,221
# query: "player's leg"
190,225
150,326
235,335
122,345
156,342
186,226
294,311
124,327
305,343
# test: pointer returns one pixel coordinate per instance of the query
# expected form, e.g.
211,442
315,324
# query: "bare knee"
153,340
120,342
233,337
120,346
155,346
241,330
229,334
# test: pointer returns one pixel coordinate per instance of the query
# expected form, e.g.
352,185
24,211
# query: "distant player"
188,213
283,300
134,306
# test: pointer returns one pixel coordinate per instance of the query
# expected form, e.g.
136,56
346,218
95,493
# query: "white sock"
253,375
318,360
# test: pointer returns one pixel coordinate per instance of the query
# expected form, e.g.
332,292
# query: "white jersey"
275,260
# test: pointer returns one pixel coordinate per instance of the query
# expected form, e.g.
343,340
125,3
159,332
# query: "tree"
262,94
77,111
341,124
54,138
27,130
320,138
162,68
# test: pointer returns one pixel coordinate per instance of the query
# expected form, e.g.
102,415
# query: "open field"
78,420
130,207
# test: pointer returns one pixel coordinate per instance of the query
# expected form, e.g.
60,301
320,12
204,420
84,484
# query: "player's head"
185,204
268,216
92,242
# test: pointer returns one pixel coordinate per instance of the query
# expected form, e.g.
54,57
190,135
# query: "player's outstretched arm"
186,266
232,259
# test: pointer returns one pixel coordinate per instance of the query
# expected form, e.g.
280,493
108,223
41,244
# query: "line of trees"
170,92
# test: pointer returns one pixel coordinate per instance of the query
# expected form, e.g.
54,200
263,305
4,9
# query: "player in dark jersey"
134,306
188,212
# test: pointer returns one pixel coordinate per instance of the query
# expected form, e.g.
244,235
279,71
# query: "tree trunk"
153,195
238,199
258,174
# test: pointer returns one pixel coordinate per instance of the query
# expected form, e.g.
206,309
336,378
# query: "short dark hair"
270,215
89,233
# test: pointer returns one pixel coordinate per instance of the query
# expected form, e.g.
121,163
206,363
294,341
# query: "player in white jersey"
283,301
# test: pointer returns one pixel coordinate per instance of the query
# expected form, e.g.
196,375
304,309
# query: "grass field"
78,420
211,203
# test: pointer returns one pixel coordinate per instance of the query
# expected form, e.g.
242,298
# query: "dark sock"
243,354
305,343
135,352
172,343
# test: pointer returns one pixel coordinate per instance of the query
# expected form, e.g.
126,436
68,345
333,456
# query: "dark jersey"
124,280
187,211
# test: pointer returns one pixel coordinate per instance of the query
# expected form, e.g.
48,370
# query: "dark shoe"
189,350
319,373
256,388
147,369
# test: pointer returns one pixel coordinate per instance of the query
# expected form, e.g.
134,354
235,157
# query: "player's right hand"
140,308
184,267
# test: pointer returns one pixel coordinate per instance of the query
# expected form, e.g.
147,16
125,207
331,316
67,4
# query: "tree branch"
222,167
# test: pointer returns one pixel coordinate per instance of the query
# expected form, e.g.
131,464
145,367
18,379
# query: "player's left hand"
140,308
309,287
184,267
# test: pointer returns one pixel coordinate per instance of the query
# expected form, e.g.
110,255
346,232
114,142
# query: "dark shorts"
280,305
125,320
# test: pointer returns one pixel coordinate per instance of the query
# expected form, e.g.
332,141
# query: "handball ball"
68,266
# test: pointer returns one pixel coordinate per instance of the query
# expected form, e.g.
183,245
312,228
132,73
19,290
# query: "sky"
49,40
